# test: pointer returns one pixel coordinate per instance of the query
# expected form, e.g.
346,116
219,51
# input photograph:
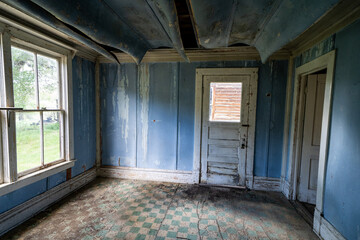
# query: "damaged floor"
126,209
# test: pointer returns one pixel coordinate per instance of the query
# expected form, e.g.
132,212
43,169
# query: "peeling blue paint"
164,121
84,115
118,114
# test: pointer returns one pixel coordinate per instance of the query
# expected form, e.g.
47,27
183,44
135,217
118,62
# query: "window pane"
51,137
225,102
28,140
48,75
23,78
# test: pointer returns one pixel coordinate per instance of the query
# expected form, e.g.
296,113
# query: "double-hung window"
39,120
35,109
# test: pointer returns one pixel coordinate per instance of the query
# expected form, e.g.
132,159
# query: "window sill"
34,177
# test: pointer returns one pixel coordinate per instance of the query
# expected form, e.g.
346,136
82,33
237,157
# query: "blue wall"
147,114
84,136
342,189
342,183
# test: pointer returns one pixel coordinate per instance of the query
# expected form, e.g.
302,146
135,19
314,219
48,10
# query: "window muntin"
225,102
37,89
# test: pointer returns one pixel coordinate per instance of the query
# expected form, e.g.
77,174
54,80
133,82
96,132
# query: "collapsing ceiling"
136,26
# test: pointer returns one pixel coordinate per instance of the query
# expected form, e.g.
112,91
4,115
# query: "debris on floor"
127,209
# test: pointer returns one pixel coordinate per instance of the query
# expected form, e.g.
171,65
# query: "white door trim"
200,73
326,61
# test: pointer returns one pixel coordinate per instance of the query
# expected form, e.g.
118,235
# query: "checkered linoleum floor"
125,209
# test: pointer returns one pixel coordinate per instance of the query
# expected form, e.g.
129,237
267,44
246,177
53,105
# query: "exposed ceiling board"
139,16
99,22
187,31
165,11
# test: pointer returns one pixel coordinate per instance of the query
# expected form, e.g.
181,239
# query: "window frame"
41,111
10,180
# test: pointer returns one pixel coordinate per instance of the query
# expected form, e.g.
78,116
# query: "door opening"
308,159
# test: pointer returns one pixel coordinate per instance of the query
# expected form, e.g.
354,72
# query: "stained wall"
147,114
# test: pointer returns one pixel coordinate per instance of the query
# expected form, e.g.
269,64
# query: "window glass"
36,88
48,75
51,137
23,78
225,102
28,140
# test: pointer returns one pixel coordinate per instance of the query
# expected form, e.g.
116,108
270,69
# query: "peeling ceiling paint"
136,26
266,24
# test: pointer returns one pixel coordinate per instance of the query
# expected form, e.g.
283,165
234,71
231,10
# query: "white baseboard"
285,187
324,229
249,181
28,209
266,184
174,176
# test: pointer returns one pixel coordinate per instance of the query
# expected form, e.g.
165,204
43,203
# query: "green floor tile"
171,234
153,232
183,229
134,229
147,225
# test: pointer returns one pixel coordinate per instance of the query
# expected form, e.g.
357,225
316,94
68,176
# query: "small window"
36,85
225,102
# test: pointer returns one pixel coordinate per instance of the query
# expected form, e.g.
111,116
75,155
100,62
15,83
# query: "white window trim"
9,180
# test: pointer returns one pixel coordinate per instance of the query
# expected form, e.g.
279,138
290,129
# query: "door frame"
326,61
200,74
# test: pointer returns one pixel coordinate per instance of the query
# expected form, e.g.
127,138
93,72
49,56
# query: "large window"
35,119
36,87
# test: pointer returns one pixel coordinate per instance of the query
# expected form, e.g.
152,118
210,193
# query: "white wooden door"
225,122
311,138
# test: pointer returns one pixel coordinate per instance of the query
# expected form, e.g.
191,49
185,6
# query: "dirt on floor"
127,209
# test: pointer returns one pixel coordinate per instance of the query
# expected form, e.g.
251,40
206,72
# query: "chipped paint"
120,104
144,98
161,115
84,114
